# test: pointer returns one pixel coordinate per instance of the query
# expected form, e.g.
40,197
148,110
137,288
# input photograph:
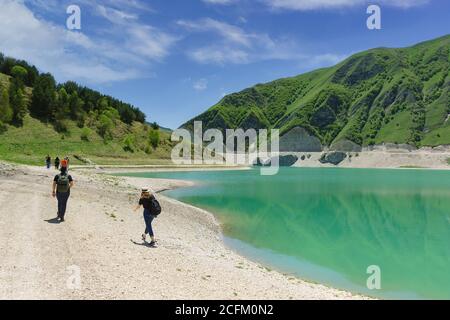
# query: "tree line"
53,103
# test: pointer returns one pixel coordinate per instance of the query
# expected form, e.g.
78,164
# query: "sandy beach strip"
101,239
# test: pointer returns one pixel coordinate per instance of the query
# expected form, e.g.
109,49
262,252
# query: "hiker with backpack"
65,163
48,161
61,190
152,209
57,162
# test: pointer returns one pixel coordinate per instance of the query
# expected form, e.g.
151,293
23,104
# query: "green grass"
398,130
32,142
4,80
439,136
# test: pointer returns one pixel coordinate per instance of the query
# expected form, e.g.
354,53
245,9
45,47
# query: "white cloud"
70,55
149,42
219,55
131,4
200,85
234,45
304,5
237,46
222,2
115,15
227,31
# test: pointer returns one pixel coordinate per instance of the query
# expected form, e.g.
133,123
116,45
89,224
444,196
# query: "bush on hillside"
128,143
61,126
105,126
86,134
3,127
154,138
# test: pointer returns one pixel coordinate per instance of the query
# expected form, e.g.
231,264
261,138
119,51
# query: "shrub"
148,149
128,143
153,137
105,126
3,127
85,134
60,126
155,126
81,120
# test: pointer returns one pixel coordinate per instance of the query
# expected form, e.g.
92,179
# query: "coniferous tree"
6,112
43,102
17,103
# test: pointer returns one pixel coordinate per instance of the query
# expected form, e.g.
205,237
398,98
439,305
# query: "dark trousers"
62,198
148,218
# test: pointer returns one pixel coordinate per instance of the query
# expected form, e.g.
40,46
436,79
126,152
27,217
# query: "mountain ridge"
381,95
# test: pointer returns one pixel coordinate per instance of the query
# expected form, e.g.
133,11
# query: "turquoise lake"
329,225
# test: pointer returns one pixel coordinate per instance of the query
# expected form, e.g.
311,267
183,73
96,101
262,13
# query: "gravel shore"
98,252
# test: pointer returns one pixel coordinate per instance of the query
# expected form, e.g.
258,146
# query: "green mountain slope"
129,144
378,96
40,117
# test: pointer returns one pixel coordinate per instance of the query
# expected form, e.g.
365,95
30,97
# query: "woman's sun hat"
145,190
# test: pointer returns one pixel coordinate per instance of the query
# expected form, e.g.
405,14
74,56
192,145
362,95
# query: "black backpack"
155,207
63,183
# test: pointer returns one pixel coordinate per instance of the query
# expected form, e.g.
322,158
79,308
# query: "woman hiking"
151,210
62,183
57,162
48,161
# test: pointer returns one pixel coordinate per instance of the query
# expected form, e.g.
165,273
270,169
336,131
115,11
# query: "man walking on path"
57,161
62,183
48,161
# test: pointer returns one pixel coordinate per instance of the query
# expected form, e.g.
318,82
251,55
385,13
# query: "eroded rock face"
283,161
346,146
333,157
299,140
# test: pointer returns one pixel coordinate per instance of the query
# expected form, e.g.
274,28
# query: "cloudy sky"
175,58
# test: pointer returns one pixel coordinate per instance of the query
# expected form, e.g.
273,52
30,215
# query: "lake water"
329,225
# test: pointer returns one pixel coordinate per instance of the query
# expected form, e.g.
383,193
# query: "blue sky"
175,58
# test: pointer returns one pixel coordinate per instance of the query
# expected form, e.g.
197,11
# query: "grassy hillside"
378,96
30,143
33,139
39,116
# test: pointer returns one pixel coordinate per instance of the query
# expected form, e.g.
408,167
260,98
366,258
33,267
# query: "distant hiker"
48,161
57,161
61,190
65,163
152,209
